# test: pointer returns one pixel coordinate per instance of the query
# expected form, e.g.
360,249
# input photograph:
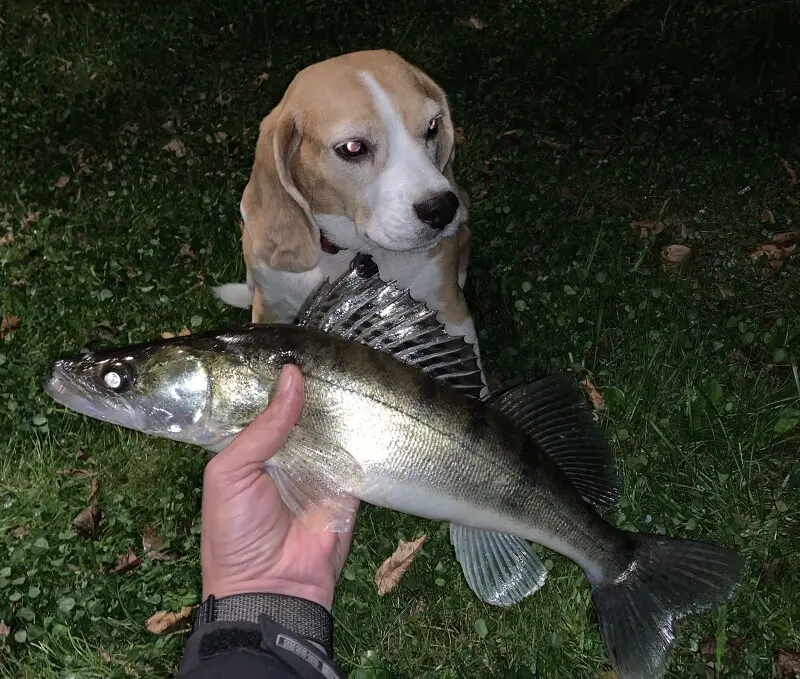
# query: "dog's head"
362,145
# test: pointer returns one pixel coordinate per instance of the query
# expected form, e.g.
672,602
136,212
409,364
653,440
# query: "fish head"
163,389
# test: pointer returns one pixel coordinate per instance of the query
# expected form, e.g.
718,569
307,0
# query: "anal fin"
501,569
313,476
553,412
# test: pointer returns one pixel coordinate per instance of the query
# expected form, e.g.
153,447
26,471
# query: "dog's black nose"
438,211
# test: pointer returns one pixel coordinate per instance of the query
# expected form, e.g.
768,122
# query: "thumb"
264,436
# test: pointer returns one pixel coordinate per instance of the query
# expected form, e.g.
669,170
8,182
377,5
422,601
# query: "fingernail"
285,379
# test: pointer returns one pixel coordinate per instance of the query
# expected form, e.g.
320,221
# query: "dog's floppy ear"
277,217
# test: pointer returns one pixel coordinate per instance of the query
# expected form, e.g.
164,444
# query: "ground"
594,136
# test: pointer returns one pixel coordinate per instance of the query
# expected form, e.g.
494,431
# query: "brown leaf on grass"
29,218
7,238
766,216
388,575
126,562
152,544
458,136
19,283
506,141
555,145
94,496
187,252
63,180
608,674
169,126
83,166
777,253
220,135
9,324
594,396
5,630
105,655
176,146
20,532
73,472
786,663
167,621
418,607
792,174
568,193
261,78
477,23
786,237
769,572
184,332
45,19
167,334
647,227
87,522
675,256
725,293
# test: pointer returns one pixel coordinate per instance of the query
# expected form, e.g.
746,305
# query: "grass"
680,113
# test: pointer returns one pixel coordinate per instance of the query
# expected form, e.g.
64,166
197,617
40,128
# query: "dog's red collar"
326,244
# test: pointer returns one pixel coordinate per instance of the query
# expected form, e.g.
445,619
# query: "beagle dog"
356,157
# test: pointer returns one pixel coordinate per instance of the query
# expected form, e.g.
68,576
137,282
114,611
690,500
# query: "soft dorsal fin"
553,412
360,306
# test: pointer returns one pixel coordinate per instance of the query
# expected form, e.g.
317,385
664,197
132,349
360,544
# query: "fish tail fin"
666,580
235,294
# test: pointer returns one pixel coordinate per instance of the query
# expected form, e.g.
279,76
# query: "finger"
264,436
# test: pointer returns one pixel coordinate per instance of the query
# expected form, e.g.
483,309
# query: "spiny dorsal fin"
553,412
360,306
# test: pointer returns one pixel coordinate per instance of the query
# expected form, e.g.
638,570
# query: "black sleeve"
262,650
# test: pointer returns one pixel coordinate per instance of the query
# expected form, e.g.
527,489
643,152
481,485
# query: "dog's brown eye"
352,149
433,128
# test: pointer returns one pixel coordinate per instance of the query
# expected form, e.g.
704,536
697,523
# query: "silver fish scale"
385,317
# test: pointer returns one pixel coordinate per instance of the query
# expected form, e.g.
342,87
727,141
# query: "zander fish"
390,417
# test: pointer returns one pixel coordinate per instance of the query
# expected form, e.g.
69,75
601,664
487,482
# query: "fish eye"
118,377
353,149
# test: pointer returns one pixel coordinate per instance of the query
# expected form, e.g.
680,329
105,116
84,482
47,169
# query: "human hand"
250,540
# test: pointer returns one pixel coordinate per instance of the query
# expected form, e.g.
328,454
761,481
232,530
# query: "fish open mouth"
68,392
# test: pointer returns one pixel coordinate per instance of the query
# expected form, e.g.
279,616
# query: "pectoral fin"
314,476
500,568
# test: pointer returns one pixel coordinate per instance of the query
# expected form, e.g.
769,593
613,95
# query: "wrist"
314,592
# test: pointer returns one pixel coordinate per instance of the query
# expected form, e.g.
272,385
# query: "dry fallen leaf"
187,251
220,135
647,226
126,562
94,496
792,174
7,238
167,334
477,23
260,79
776,253
169,127
9,324
786,237
594,396
4,629
766,216
30,218
167,621
675,256
458,136
152,544
105,655
388,575
63,180
184,332
555,145
20,532
725,293
86,522
786,663
177,147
